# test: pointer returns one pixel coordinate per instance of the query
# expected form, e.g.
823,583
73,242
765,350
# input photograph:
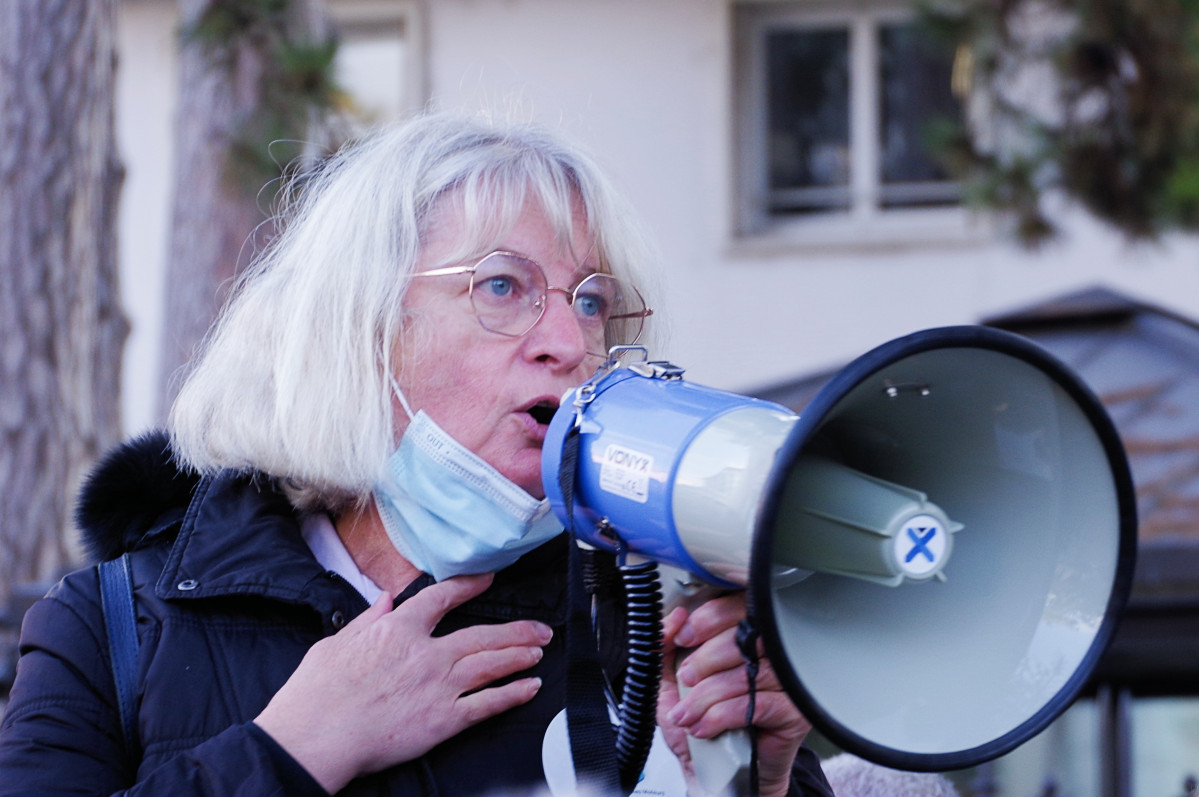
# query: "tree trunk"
61,326
219,219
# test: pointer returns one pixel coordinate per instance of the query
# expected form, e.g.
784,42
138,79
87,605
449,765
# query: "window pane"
915,72
1165,736
809,119
370,66
1062,760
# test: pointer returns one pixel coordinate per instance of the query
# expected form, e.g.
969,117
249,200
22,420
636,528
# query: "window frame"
866,224
403,19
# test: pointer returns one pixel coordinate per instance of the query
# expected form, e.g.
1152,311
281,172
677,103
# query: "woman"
346,578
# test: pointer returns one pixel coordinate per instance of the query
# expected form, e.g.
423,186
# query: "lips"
542,411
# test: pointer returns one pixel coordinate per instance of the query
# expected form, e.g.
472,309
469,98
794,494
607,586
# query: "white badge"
662,776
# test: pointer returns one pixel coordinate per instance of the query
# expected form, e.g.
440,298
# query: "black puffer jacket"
229,598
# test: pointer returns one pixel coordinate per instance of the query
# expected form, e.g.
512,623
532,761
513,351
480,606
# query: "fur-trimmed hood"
137,488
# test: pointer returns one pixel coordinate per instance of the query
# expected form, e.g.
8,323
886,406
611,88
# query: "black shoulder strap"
592,740
120,621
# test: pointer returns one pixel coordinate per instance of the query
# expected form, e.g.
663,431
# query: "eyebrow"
580,272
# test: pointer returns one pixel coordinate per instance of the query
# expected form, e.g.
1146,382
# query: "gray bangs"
490,201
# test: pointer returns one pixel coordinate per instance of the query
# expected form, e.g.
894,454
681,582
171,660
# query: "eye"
591,305
503,288
504,280
595,297
500,286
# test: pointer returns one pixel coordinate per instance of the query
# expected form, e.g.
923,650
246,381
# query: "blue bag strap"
120,621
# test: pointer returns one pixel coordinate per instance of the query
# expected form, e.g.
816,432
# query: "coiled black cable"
639,697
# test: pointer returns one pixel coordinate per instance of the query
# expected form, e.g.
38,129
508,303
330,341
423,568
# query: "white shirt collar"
331,552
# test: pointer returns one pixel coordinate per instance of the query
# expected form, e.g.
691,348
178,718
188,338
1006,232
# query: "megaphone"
937,547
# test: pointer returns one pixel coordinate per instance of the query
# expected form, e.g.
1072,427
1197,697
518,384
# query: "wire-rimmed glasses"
509,292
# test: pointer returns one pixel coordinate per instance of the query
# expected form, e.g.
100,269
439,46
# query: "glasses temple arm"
646,313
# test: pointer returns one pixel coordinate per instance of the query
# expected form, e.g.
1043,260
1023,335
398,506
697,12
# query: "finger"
723,716
711,619
434,602
709,692
380,607
715,655
671,624
773,712
476,638
723,685
483,668
474,707
721,655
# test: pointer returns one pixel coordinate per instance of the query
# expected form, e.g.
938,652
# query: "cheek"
438,366
461,396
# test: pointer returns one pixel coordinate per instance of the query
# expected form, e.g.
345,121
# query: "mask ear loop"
395,386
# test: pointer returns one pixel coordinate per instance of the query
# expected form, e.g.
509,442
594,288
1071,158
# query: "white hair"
853,777
294,380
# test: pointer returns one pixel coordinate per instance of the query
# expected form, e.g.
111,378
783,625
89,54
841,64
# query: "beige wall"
646,86
145,90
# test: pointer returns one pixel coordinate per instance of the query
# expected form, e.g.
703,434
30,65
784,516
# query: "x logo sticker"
920,543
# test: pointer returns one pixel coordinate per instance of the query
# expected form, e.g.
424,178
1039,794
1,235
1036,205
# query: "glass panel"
1165,736
809,119
370,67
1063,760
914,72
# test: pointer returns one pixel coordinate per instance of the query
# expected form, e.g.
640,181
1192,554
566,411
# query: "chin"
525,473
533,488
528,481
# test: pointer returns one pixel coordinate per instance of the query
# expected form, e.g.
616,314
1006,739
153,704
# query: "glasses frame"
542,301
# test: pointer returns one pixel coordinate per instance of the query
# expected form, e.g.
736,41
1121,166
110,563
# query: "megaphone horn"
937,547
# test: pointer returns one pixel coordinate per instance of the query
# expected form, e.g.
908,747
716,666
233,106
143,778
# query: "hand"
384,690
718,697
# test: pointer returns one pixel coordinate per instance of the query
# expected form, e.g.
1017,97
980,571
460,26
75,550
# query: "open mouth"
542,412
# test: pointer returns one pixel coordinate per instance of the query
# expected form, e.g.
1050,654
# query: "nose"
557,337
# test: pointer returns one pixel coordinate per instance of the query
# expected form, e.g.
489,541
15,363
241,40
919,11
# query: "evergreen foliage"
1097,99
298,83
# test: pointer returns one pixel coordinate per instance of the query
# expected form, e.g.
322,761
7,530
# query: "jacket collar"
241,536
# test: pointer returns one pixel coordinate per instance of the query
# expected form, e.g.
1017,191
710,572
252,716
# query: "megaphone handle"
721,762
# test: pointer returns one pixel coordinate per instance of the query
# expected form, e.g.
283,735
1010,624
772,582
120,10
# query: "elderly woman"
346,578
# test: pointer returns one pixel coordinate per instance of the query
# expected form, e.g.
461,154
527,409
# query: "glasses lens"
506,292
611,309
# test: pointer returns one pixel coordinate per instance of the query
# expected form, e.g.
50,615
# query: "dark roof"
1143,364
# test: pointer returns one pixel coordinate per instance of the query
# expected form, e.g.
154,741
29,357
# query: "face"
493,393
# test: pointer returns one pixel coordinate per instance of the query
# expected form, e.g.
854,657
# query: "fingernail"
685,637
685,674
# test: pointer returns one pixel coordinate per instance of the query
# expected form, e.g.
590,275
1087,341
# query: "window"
834,102
378,58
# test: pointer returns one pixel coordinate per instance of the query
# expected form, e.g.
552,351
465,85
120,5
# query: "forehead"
457,230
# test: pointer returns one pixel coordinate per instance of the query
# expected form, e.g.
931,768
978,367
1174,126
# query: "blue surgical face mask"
450,513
